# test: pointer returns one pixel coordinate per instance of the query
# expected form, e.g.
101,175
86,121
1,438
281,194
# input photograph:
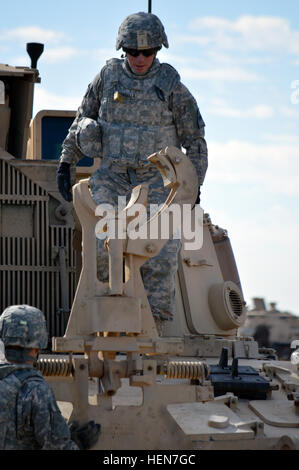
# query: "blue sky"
240,61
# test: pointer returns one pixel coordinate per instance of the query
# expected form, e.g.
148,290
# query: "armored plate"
197,421
277,413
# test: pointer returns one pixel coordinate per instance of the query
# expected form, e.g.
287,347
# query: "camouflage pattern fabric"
141,31
140,122
138,115
88,137
23,326
186,118
29,416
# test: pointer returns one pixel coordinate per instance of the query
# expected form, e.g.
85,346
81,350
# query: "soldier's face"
141,63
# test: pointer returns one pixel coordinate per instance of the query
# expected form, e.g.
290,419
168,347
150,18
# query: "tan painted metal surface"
150,388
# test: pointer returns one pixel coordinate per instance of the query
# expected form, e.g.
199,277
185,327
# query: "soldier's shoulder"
169,68
36,383
168,78
113,64
169,71
38,393
110,63
114,61
111,67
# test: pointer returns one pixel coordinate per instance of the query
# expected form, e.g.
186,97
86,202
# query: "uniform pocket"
147,143
167,136
130,144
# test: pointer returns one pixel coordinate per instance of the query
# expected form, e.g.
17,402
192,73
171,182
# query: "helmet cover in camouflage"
141,31
88,137
23,326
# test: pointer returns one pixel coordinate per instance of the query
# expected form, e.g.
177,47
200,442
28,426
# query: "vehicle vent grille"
236,303
30,270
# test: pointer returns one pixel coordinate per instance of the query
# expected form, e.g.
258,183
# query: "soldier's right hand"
63,180
85,435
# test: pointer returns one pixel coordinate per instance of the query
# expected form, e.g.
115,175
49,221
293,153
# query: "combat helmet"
141,31
88,137
22,327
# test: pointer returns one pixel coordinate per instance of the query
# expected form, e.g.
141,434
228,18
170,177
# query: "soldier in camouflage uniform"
29,416
134,107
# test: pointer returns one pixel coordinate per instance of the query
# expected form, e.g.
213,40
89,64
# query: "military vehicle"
271,328
195,385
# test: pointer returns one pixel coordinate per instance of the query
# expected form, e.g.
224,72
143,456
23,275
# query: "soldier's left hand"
63,180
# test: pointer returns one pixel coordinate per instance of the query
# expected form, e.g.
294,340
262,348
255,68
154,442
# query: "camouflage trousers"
158,273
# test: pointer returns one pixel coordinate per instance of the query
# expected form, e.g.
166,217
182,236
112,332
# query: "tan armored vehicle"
195,384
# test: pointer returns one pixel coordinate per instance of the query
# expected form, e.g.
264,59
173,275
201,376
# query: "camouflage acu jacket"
139,115
29,416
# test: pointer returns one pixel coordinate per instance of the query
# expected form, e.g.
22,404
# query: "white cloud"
222,58
22,60
265,252
104,53
268,33
213,65
258,112
233,74
290,112
263,232
58,54
32,34
274,167
282,138
247,32
61,53
43,99
165,56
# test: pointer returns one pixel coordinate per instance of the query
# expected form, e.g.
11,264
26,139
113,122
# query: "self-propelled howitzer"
196,384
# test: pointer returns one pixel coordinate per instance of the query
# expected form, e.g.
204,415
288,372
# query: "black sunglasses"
145,52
